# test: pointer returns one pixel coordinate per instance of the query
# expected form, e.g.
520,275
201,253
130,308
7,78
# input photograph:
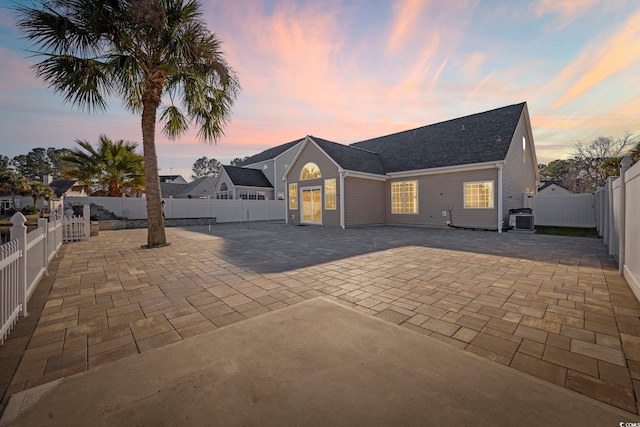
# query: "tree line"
591,164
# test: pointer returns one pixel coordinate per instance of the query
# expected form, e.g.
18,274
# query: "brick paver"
552,307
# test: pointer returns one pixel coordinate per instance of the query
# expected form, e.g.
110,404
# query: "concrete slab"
314,363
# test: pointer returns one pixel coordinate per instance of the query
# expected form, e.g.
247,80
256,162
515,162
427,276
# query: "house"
549,188
66,188
465,172
197,189
271,162
243,183
174,179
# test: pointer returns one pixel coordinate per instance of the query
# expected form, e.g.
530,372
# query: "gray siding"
364,201
281,164
224,179
518,176
275,169
437,192
311,153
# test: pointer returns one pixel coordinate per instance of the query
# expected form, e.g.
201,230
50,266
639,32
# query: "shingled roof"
478,138
246,177
270,153
352,158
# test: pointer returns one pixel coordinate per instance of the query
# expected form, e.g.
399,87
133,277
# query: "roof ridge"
345,145
438,123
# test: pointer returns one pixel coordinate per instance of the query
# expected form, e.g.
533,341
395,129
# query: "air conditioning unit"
521,222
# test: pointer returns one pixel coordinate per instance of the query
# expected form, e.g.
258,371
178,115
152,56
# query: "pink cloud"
406,18
600,60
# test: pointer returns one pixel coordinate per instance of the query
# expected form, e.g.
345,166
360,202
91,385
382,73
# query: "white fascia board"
365,175
534,157
295,158
446,169
308,140
222,171
340,169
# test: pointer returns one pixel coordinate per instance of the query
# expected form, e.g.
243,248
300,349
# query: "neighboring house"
552,188
272,162
467,171
197,189
66,188
236,182
173,179
69,187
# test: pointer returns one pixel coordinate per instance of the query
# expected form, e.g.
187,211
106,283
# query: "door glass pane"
306,205
316,205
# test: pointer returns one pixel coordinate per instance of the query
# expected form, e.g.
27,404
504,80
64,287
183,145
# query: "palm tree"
111,169
146,52
39,190
14,183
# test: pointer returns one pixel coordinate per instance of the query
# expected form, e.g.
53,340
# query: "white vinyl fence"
563,210
618,221
25,257
224,210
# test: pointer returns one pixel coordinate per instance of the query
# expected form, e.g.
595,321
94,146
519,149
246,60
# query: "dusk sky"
356,69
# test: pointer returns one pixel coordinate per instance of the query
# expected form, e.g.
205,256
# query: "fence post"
53,218
18,232
86,221
43,223
625,164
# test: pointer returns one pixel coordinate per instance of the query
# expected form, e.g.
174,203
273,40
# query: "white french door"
311,205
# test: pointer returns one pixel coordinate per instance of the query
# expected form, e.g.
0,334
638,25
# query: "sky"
351,70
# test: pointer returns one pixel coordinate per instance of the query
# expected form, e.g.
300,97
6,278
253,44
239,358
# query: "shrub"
29,210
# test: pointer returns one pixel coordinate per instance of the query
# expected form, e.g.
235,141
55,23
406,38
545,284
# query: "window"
280,195
310,171
478,194
330,194
223,187
293,196
524,149
404,197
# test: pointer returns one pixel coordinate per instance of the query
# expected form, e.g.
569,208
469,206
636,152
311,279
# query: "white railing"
77,228
25,257
618,221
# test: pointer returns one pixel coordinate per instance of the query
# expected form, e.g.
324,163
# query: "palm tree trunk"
155,220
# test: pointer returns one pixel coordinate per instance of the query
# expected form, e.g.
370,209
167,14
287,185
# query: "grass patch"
567,231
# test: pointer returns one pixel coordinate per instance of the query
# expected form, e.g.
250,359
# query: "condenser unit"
521,221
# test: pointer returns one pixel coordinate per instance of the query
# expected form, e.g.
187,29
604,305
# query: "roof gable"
246,177
351,158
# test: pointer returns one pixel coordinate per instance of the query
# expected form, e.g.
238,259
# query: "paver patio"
552,307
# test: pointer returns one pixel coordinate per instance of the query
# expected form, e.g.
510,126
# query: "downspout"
500,219
286,201
343,174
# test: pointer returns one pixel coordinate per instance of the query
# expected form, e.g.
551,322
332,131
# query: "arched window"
223,187
310,171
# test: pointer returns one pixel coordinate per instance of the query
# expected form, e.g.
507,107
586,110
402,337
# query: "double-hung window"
293,196
478,194
330,194
404,197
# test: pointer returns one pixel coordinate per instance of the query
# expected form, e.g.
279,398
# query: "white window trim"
335,195
313,177
311,188
464,192
296,197
404,198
